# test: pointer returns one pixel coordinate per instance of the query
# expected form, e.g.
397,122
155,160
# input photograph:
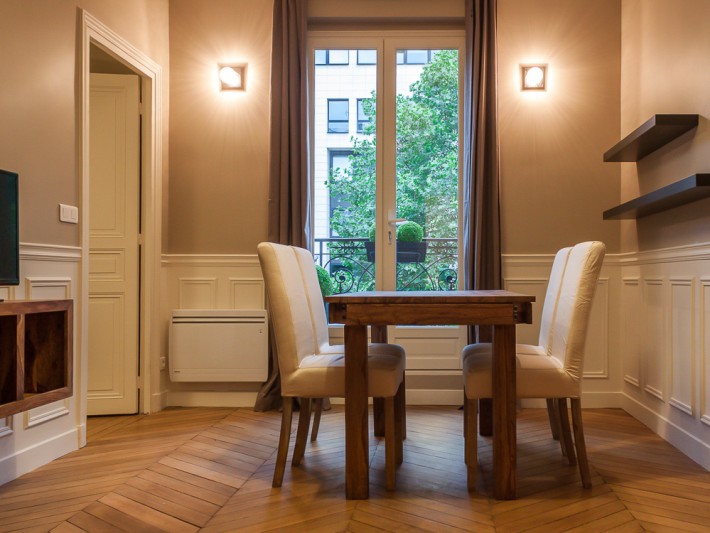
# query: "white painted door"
114,207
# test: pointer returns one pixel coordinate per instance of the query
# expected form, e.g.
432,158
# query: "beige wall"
554,184
666,45
38,98
219,157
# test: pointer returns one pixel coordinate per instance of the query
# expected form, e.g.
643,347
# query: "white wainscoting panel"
631,326
7,293
197,293
596,351
705,351
6,427
682,352
246,293
654,346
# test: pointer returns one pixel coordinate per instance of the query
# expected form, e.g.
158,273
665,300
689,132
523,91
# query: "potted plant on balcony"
324,281
411,247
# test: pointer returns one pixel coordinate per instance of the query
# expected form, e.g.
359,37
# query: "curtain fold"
481,204
289,185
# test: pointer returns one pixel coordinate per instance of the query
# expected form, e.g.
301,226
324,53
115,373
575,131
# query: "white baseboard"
158,401
687,443
26,460
210,399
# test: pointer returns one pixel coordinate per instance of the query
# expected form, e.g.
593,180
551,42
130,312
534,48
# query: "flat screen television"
9,230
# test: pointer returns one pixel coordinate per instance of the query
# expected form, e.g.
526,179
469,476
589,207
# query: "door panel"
114,205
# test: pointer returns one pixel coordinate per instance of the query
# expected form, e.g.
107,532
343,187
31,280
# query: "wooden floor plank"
210,470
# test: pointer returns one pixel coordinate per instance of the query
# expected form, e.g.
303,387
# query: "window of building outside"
338,164
362,119
367,57
338,115
332,57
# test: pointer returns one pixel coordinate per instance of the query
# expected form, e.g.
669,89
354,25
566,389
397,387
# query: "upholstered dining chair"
551,370
320,325
310,368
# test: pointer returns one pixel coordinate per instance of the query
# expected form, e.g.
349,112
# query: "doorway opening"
101,44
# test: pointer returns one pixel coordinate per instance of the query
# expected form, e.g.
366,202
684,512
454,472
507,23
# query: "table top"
428,297
430,308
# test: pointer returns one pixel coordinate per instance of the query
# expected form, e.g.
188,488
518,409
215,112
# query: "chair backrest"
291,317
575,304
315,297
549,307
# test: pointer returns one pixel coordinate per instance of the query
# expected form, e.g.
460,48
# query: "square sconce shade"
233,77
533,77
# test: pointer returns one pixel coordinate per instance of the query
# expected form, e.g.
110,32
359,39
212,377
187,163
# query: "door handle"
393,222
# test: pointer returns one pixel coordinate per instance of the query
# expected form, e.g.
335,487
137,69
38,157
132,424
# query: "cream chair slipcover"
553,369
309,366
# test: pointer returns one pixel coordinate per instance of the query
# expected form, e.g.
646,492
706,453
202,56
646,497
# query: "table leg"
378,334
504,415
357,482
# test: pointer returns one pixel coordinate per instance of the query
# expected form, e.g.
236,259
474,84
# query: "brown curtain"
289,194
481,205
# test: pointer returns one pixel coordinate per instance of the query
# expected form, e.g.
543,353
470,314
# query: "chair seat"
323,375
537,374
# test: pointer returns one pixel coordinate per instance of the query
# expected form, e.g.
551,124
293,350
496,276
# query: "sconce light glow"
232,77
533,77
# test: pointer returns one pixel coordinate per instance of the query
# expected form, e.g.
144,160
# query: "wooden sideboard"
35,353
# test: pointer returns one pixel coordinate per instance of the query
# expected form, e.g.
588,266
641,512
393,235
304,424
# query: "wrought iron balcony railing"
350,262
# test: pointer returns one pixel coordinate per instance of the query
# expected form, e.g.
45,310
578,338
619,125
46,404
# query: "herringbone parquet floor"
184,470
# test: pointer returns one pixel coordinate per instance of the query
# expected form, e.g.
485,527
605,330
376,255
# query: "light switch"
69,213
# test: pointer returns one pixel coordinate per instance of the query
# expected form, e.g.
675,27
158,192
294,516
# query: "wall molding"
49,252
207,260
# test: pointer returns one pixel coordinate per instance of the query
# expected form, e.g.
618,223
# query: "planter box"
407,252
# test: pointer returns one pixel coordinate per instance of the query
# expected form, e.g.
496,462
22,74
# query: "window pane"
337,110
338,57
363,119
321,57
343,186
367,57
416,57
427,171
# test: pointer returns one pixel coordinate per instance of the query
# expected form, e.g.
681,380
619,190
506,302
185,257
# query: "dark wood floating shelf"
651,135
35,354
681,192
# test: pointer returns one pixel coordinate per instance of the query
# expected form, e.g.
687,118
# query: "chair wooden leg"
399,417
284,438
304,421
378,416
400,408
565,431
485,417
317,410
554,418
471,441
390,448
580,444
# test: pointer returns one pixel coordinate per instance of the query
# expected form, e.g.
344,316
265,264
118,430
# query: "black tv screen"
9,233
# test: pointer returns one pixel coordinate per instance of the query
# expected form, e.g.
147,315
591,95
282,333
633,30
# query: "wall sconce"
533,77
233,77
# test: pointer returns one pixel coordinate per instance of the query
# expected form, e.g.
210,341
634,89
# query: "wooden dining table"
497,308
